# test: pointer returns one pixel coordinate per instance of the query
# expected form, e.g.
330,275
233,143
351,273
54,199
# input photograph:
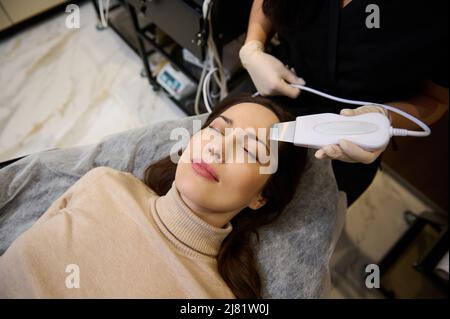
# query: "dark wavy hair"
235,260
286,15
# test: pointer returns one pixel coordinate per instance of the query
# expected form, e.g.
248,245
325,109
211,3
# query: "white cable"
207,83
205,89
208,90
221,79
215,95
103,16
199,91
394,131
206,65
209,69
205,9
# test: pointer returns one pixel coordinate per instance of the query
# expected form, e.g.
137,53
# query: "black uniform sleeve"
440,54
440,66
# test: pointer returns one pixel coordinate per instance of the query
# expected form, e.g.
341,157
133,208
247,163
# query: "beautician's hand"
347,151
270,75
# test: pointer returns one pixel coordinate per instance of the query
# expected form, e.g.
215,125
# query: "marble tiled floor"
62,88
373,224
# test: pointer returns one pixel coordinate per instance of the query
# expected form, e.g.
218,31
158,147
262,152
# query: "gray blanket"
293,254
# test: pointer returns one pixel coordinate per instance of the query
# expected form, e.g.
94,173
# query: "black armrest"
8,162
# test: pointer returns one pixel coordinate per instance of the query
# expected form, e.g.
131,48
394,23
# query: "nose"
215,152
221,148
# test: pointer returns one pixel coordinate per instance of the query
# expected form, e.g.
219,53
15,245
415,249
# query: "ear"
258,202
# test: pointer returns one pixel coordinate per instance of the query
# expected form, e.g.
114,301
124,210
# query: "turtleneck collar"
185,229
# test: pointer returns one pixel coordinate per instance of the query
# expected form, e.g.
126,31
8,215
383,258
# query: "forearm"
429,107
259,26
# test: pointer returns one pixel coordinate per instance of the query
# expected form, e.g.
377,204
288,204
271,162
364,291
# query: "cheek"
243,182
245,176
188,152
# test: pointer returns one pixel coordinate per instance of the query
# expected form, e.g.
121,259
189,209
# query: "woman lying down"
182,232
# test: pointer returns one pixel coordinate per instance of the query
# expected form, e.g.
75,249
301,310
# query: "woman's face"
238,183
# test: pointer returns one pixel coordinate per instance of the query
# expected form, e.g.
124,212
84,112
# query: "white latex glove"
347,151
270,75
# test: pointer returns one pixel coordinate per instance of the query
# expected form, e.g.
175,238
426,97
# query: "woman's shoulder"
102,174
104,170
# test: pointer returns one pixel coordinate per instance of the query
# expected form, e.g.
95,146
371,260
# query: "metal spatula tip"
283,132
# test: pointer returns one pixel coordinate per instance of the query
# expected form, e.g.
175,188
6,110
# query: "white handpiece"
392,131
370,130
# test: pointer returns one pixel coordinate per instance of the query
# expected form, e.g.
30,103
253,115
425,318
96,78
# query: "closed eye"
245,149
215,129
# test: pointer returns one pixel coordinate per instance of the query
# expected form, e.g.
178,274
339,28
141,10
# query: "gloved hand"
270,75
347,151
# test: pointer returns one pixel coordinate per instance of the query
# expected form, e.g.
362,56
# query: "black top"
337,53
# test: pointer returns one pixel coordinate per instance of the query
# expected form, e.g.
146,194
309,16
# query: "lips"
205,170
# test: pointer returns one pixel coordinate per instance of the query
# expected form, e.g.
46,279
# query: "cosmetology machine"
204,40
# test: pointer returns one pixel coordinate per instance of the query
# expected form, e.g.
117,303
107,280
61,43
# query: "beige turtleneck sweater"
116,239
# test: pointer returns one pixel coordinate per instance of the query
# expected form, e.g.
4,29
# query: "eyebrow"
230,122
226,119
